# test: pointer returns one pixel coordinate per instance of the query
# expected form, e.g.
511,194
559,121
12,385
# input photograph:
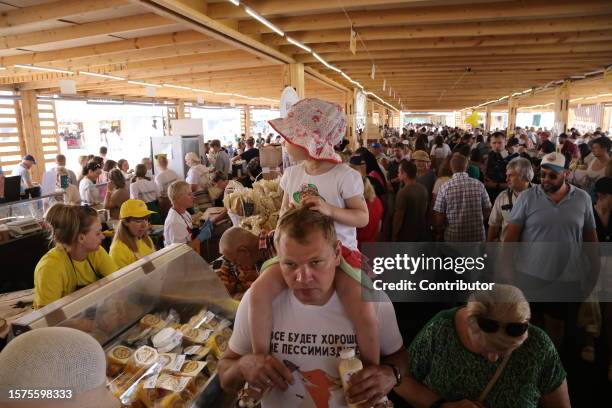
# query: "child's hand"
318,204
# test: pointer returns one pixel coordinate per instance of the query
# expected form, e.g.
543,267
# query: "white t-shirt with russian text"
335,187
308,339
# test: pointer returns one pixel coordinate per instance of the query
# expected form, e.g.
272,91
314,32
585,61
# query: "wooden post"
30,123
247,121
293,75
349,109
180,109
488,119
562,95
512,110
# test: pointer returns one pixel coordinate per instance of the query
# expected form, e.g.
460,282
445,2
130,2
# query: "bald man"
243,253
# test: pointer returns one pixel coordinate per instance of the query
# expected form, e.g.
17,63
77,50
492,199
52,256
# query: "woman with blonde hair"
131,240
198,175
485,354
77,259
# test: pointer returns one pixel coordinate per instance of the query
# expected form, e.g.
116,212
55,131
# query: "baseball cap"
604,185
356,160
420,155
376,145
135,209
554,161
30,158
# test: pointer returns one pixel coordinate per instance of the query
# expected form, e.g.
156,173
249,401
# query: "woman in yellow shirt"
131,240
77,258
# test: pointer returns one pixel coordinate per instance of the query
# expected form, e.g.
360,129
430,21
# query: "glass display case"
33,208
170,294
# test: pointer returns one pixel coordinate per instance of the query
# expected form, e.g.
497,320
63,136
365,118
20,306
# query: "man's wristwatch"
438,403
396,373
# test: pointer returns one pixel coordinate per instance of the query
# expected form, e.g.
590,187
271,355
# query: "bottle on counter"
349,365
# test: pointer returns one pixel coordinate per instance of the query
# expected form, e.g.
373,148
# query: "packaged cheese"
117,358
174,383
167,339
143,357
193,335
218,344
192,368
153,321
197,352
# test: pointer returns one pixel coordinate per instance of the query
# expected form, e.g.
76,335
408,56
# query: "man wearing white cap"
554,211
557,217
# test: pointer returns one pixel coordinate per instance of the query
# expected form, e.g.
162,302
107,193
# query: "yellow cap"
135,209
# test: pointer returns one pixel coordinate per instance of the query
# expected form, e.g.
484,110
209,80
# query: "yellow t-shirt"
123,256
55,276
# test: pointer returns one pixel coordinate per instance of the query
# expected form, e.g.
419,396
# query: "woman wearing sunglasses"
485,354
131,240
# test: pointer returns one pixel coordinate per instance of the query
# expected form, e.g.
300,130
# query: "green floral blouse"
439,361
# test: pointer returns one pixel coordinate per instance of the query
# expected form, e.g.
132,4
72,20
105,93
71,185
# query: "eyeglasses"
552,176
493,326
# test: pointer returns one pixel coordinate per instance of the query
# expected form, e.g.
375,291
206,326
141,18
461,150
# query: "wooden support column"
512,110
247,121
293,75
30,123
488,119
562,96
349,109
180,109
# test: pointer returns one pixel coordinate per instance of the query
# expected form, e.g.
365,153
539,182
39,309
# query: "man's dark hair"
409,168
103,150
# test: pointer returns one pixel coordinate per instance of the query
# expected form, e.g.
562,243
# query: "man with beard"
557,217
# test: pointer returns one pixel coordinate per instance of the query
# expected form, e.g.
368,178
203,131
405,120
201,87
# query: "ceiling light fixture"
94,74
60,71
235,2
298,44
177,87
264,22
201,90
143,84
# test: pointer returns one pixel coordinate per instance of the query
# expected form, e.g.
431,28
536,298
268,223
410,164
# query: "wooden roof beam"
477,42
568,49
54,11
471,29
99,63
132,44
113,26
435,14
272,7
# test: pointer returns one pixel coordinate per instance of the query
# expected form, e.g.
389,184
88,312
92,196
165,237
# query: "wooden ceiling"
436,55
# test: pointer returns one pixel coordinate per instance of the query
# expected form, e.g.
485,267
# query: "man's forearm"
229,374
399,359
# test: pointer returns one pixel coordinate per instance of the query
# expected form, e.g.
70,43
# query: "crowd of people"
304,303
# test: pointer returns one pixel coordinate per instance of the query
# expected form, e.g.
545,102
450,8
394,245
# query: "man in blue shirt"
557,217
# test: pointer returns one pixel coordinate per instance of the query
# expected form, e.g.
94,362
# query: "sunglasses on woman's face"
493,326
